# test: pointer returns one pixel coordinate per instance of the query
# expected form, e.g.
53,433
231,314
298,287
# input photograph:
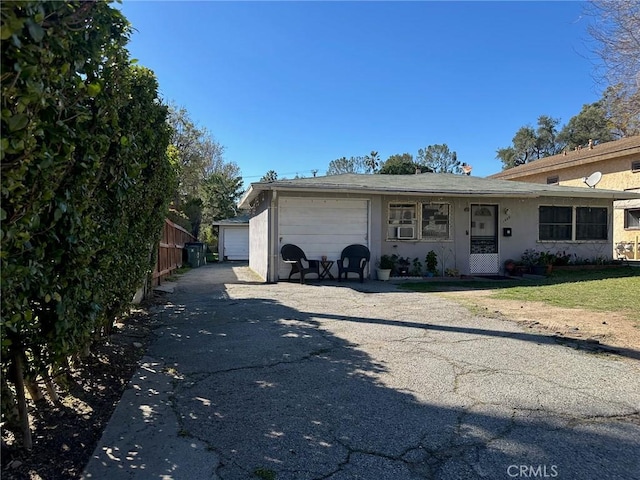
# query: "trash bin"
195,254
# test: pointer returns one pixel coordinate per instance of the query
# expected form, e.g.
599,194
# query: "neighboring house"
233,238
619,165
473,224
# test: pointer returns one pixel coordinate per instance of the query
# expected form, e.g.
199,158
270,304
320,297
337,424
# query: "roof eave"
253,193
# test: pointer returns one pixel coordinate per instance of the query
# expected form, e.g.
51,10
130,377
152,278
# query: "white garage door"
322,226
236,243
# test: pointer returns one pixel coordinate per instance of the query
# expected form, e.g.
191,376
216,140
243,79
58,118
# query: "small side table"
326,269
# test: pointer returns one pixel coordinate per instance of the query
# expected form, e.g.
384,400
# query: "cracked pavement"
362,381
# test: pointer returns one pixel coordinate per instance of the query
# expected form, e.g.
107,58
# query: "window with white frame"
632,219
402,221
572,223
435,221
415,221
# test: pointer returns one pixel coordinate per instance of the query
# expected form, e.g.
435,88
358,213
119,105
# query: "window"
414,221
553,180
555,223
567,223
402,221
591,223
435,221
635,166
632,219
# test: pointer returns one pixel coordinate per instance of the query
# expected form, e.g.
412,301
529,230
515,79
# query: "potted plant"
403,266
547,259
416,268
384,267
539,263
509,267
530,259
431,262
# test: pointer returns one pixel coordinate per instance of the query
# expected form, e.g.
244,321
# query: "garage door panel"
236,243
315,249
325,229
322,226
324,217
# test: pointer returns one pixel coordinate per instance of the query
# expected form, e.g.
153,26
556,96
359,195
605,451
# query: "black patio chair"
299,264
353,258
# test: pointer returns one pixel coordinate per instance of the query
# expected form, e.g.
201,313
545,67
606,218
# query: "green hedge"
85,184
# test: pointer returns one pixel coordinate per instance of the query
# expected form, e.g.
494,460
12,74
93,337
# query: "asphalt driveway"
348,381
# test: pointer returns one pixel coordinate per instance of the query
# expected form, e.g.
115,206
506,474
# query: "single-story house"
612,165
473,224
233,238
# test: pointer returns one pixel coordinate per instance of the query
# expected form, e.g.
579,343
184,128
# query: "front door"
484,257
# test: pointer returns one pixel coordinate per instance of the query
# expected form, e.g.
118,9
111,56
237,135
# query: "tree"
439,159
402,165
615,29
270,176
192,208
622,111
590,124
346,165
221,192
522,149
530,144
209,185
198,153
547,137
372,161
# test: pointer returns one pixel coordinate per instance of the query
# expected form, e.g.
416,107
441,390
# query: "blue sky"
290,86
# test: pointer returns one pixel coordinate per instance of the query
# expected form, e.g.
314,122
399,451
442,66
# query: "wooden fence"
170,251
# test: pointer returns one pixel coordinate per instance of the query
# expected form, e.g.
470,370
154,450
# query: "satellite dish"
593,179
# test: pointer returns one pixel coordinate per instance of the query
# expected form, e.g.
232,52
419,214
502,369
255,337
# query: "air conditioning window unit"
405,233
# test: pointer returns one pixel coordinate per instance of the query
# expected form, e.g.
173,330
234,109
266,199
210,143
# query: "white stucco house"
472,223
233,238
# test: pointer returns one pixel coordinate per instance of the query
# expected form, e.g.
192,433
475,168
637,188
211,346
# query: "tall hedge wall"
85,184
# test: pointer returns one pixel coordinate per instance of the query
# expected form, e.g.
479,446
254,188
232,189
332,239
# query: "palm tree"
372,161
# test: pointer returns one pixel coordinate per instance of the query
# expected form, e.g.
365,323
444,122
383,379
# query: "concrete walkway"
348,381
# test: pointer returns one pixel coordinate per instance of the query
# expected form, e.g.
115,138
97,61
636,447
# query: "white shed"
233,238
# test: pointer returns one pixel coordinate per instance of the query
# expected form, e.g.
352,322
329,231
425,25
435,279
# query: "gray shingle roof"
427,184
239,220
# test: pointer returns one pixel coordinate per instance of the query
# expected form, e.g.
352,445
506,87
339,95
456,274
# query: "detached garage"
233,238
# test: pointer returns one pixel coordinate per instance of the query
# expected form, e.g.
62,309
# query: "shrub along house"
473,224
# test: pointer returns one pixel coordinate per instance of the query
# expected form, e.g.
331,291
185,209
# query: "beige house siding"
613,160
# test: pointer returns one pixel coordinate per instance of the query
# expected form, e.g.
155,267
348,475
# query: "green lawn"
611,290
